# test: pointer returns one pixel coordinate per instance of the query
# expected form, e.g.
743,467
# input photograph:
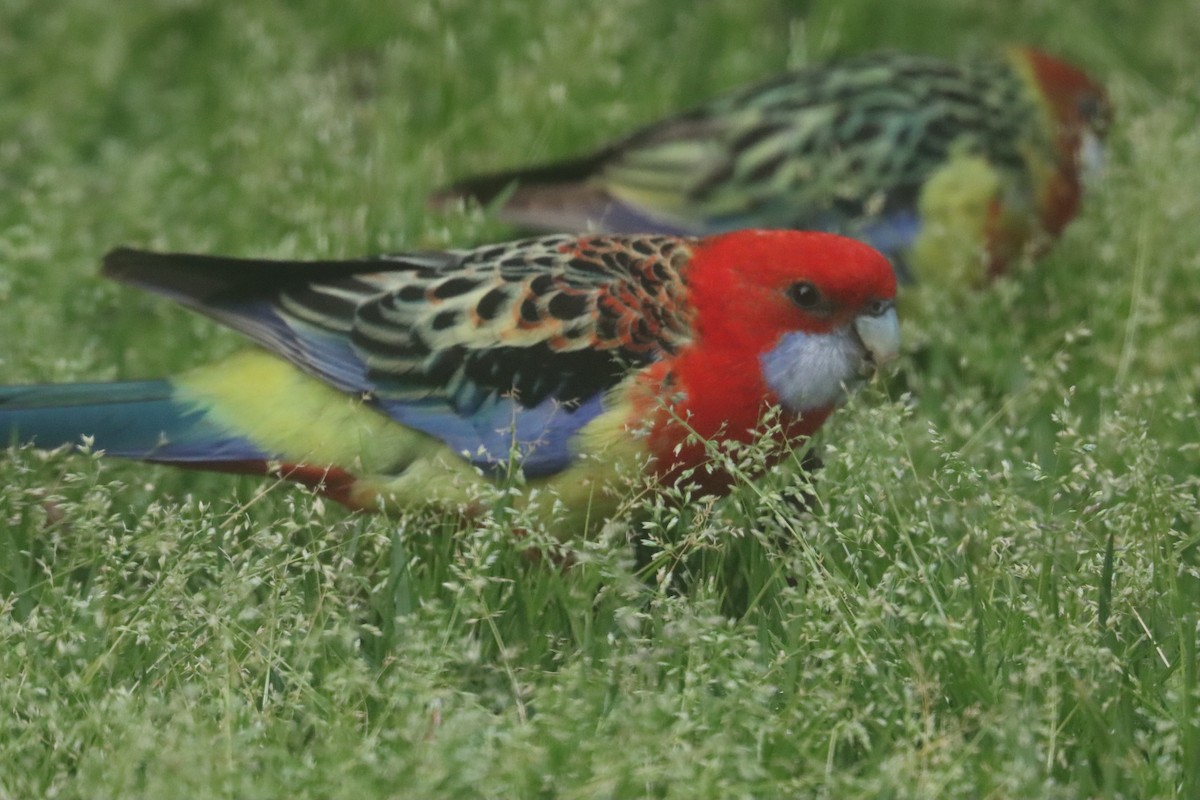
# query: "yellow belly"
955,203
301,420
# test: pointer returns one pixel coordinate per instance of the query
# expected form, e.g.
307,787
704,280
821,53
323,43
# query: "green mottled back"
852,147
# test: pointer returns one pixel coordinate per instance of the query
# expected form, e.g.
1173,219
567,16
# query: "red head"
1079,110
779,318
1076,101
743,284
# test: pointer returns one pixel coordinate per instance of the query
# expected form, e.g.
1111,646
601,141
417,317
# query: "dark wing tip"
179,275
204,278
121,261
498,186
184,276
482,189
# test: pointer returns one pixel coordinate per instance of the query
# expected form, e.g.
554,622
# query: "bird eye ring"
878,308
804,295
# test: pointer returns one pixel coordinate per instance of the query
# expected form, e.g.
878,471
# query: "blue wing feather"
538,437
486,425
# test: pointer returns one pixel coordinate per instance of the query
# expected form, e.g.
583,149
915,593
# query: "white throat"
1091,159
809,371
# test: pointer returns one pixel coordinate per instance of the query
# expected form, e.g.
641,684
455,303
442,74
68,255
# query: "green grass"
996,592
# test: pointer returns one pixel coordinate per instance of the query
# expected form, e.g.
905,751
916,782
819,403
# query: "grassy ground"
995,595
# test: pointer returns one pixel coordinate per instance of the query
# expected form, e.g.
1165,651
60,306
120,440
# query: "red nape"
331,482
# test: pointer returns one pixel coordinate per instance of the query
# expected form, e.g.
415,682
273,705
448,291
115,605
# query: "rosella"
411,379
953,170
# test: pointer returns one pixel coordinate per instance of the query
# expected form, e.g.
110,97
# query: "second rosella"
953,170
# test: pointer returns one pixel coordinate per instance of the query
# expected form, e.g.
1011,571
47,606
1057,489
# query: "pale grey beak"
879,331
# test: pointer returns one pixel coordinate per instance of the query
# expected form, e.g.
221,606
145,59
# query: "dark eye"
804,295
877,308
1095,111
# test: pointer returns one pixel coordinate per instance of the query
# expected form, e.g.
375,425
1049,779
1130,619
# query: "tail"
138,419
152,421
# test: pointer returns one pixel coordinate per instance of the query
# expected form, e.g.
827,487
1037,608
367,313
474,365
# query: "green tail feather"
135,419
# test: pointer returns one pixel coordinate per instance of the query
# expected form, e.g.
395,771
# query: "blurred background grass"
995,594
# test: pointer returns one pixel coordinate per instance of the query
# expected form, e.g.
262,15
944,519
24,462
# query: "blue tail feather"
135,419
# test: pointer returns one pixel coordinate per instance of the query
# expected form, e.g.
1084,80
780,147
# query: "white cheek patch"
1091,158
811,371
